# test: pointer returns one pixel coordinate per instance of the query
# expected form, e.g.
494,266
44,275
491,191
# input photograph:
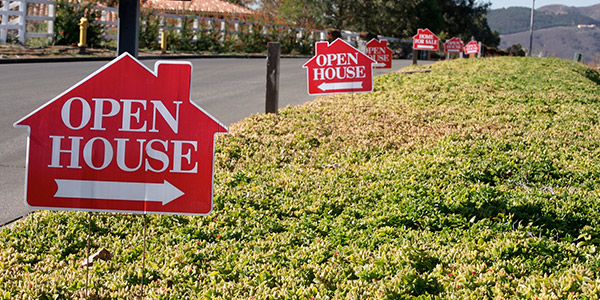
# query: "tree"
467,19
397,18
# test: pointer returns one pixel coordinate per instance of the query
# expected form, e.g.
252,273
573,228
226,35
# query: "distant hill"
556,33
563,42
517,19
590,11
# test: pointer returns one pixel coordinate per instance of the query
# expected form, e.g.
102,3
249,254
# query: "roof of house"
201,6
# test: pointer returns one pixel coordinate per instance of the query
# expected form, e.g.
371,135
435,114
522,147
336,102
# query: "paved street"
229,89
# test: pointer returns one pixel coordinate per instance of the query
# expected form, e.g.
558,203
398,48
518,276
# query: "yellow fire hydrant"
163,42
83,26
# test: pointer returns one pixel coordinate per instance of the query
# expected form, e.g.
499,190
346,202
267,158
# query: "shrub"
66,26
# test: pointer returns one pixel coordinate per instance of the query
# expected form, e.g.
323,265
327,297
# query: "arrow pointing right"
424,47
114,190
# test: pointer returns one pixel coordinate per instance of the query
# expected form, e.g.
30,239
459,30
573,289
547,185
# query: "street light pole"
531,29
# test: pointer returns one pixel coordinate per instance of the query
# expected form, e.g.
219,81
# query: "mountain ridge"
556,31
517,19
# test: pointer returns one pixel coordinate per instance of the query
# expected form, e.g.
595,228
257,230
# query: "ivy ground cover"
478,180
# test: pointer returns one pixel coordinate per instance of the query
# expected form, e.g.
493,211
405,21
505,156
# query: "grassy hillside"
517,19
478,180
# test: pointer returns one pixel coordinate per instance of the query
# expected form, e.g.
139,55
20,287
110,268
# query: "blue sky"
540,3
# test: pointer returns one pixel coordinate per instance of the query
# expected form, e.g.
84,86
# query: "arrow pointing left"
114,190
340,86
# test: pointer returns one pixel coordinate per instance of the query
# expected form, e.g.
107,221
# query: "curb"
108,58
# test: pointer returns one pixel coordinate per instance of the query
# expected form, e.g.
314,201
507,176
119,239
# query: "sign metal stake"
87,259
145,226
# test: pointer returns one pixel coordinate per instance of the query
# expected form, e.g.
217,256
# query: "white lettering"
88,153
173,122
128,114
319,74
74,152
157,155
178,155
121,143
353,59
86,113
99,111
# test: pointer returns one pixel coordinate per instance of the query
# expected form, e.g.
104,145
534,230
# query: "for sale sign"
379,51
339,68
425,40
453,45
125,139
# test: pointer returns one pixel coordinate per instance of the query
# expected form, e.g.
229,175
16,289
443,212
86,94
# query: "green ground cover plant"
478,180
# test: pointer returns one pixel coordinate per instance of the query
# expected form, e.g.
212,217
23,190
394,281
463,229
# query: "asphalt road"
229,89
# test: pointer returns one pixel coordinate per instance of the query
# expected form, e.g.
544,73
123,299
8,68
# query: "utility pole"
531,29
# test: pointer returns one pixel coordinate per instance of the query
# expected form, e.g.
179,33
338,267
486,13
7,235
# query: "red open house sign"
125,139
453,45
339,68
472,47
379,51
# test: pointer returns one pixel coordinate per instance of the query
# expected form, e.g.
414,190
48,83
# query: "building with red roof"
217,8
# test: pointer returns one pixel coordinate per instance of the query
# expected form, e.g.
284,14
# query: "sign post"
129,24
272,94
425,40
125,139
339,68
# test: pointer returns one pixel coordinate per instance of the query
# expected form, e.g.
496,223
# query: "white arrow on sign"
340,86
114,190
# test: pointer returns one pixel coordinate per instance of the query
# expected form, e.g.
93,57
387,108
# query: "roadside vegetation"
478,180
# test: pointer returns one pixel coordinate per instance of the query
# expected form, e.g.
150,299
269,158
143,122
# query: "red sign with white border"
453,45
472,47
426,40
379,51
124,139
339,68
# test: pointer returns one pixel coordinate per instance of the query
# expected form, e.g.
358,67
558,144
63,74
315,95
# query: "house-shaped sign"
124,139
379,51
453,45
339,68
425,40
472,47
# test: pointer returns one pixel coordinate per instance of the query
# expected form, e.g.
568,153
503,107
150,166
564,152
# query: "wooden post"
415,56
52,14
223,30
272,97
4,21
22,22
195,29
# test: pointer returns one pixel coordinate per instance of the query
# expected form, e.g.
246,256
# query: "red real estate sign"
339,68
125,139
453,45
379,52
425,40
472,47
